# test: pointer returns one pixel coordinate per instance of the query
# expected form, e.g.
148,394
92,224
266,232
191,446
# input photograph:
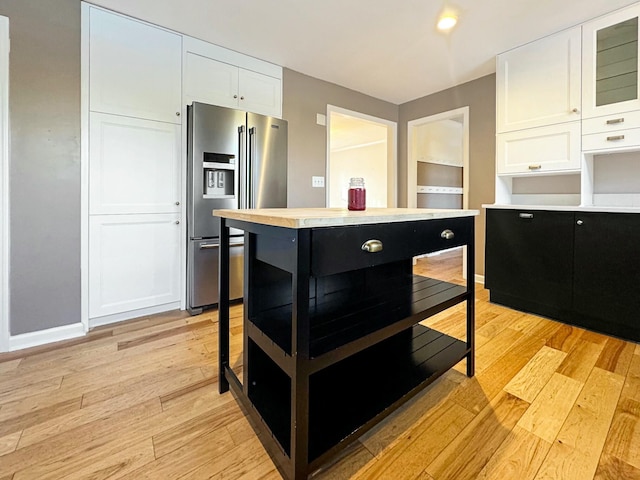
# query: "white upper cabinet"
538,84
610,63
135,165
135,68
219,76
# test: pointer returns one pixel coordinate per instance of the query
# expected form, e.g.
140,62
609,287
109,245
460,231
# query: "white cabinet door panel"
134,262
135,68
209,81
134,165
555,148
260,93
539,83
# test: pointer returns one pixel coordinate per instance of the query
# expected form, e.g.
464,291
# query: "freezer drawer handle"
447,234
372,246
210,246
526,215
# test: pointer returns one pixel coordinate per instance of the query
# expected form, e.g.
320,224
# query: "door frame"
412,163
4,184
392,151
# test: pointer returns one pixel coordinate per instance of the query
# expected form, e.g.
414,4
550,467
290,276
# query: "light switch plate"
317,182
321,119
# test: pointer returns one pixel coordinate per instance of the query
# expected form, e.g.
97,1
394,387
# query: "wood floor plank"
519,457
616,356
623,441
416,449
213,420
612,468
112,460
535,374
580,361
347,466
565,338
469,452
491,351
27,420
8,443
580,442
550,409
383,435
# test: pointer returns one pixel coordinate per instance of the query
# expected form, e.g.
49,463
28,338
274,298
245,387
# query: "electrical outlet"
317,182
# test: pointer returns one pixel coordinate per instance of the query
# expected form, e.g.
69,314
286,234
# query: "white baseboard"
119,317
42,337
479,279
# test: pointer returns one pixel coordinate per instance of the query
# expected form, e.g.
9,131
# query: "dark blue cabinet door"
607,273
529,260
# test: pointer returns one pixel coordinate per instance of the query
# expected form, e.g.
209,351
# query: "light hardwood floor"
139,400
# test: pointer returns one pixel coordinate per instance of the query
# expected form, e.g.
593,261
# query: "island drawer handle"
447,234
526,215
615,137
372,246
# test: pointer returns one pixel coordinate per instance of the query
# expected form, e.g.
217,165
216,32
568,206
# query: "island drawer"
341,249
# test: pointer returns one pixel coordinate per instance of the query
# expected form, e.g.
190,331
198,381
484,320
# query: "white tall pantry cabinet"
134,166
137,81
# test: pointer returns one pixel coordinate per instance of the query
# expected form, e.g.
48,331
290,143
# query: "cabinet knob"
372,246
177,222
575,110
235,96
447,234
177,114
579,222
177,203
242,98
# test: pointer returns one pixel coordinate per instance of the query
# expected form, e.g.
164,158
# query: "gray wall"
44,102
480,96
303,98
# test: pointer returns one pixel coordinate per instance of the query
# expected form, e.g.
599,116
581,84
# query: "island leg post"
223,307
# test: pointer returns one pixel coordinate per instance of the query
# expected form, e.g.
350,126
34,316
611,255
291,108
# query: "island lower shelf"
355,393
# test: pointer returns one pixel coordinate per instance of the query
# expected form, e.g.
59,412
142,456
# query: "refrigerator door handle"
211,246
252,151
242,166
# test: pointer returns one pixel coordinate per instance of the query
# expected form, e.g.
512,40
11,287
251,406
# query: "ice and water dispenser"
219,175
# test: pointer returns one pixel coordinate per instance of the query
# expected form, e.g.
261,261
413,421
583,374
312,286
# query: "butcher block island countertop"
336,217
332,339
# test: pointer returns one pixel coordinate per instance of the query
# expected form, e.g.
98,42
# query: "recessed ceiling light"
447,22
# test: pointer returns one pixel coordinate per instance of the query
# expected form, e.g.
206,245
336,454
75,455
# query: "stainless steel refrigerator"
235,159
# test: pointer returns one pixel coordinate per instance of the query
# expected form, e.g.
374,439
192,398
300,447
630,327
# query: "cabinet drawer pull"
615,120
535,167
447,234
615,137
372,246
526,215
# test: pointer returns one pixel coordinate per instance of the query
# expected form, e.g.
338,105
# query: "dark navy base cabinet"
581,268
332,343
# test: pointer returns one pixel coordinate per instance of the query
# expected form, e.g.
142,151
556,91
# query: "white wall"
369,162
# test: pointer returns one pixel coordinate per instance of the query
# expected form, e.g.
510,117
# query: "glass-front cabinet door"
610,63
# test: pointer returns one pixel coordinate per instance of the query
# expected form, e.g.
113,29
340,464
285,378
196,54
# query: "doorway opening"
360,145
4,184
438,167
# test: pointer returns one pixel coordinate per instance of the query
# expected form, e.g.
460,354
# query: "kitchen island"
332,342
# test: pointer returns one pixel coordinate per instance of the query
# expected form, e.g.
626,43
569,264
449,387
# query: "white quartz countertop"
335,217
566,208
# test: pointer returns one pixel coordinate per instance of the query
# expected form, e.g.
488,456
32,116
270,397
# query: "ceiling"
388,49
